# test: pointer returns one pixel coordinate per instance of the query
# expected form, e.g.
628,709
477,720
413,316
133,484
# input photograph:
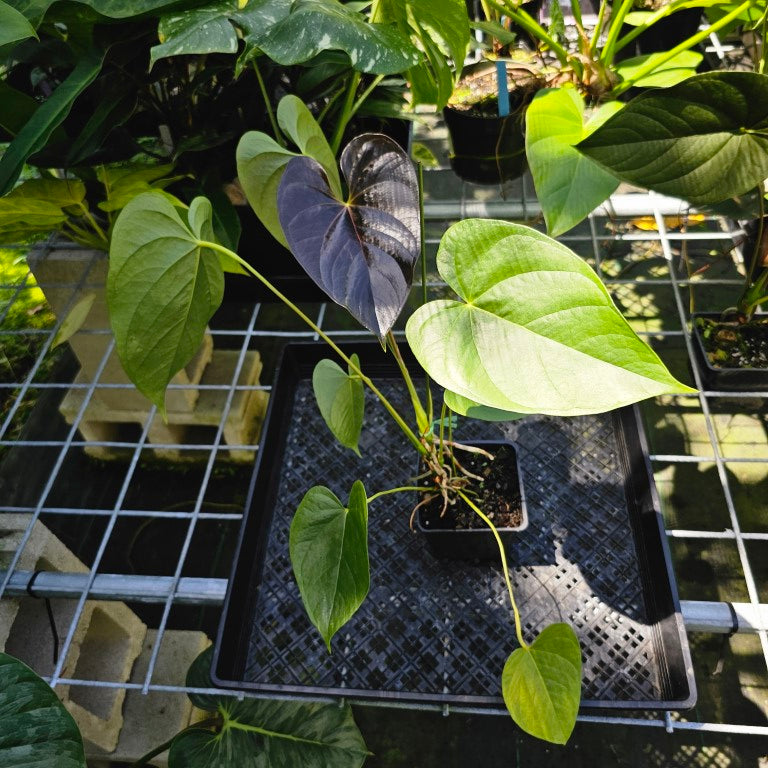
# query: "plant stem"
598,28
504,566
653,65
396,490
422,422
95,225
346,112
279,138
364,95
750,276
324,336
423,256
144,759
614,30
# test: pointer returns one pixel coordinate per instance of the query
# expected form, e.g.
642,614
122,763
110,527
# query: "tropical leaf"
329,553
162,288
534,329
341,399
13,25
541,684
466,407
362,252
669,73
568,185
705,139
35,729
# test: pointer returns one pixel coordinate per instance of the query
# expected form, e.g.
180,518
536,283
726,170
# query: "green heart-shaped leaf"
162,288
329,553
13,25
541,684
341,399
568,185
671,72
266,733
535,330
705,139
35,729
466,407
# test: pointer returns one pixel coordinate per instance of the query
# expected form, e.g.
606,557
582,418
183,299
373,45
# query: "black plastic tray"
437,632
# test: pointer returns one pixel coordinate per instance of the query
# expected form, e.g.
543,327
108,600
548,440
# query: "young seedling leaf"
705,139
534,331
329,553
277,734
341,399
35,728
466,407
261,161
541,684
568,184
162,289
362,252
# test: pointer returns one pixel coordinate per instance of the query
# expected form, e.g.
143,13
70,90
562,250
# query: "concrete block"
242,427
153,718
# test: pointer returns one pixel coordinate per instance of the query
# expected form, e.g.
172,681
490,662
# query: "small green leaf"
670,73
568,184
421,153
541,684
13,25
341,399
123,183
705,139
35,729
74,319
466,407
535,330
162,289
329,554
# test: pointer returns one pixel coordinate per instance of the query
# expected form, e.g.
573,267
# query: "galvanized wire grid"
256,328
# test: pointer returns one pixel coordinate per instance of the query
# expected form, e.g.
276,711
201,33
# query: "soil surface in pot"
498,495
735,345
477,94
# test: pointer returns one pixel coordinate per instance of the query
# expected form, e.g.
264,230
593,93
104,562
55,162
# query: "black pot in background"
715,378
664,35
449,543
486,150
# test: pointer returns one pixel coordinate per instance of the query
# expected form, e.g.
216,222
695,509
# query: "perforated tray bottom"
437,631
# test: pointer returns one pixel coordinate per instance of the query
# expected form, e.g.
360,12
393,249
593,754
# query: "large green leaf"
541,684
261,160
288,32
266,733
35,729
669,73
440,29
50,114
35,10
705,139
13,25
341,399
123,183
329,553
534,331
568,184
162,289
466,407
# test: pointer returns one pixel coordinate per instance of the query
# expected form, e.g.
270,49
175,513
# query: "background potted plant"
361,248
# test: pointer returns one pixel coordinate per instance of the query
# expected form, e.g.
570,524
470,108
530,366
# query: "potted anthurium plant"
531,330
704,140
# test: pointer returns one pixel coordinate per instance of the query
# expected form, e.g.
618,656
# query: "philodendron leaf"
705,139
466,407
541,684
266,733
261,160
162,288
671,72
35,729
13,25
360,252
568,184
341,399
534,330
329,553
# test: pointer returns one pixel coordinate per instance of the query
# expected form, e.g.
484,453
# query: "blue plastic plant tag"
503,91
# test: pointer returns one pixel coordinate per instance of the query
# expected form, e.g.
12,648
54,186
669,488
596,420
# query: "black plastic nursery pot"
434,631
447,541
727,379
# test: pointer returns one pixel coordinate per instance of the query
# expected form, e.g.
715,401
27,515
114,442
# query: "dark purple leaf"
362,252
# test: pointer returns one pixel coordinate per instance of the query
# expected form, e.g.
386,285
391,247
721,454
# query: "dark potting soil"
498,495
735,345
478,92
